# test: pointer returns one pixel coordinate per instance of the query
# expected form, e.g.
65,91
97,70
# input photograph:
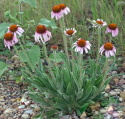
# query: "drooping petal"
108,30
20,30
107,53
115,32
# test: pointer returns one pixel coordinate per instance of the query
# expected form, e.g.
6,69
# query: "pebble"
28,111
8,111
103,111
21,106
25,116
112,93
114,72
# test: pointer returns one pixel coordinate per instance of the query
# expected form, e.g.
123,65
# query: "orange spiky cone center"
99,22
8,36
63,6
108,46
112,26
56,9
54,47
81,43
13,28
41,29
70,32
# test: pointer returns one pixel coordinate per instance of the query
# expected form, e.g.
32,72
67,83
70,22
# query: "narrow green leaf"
3,67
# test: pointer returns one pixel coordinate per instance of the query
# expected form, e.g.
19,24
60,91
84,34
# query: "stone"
106,95
37,108
95,106
83,116
115,115
25,116
21,106
122,94
8,111
28,111
116,80
120,99
112,93
123,76
33,105
107,89
66,117
102,111
123,65
114,72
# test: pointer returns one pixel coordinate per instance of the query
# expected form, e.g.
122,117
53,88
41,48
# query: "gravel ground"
11,94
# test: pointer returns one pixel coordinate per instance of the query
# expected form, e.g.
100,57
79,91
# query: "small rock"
29,112
66,117
112,93
25,116
8,111
10,118
123,76
116,80
96,113
107,89
37,108
13,100
83,116
114,72
33,105
115,115
21,106
123,65
122,94
103,111
106,95
120,99
112,82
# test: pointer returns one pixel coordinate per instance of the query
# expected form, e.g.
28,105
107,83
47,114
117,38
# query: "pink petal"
115,32
20,30
114,49
108,30
107,53
86,51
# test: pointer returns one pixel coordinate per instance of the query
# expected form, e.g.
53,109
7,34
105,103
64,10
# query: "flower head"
64,8
10,39
56,12
42,33
54,47
112,28
81,45
100,22
109,49
70,32
15,29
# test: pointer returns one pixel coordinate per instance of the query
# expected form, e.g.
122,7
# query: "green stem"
71,42
104,79
99,34
23,62
20,10
26,56
54,53
62,25
50,69
81,63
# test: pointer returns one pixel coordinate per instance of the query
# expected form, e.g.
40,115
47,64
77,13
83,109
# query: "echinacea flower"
112,28
81,45
70,32
54,47
64,8
42,33
109,49
10,39
100,22
56,12
15,29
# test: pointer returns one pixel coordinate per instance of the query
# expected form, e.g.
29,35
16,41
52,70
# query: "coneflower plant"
64,84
